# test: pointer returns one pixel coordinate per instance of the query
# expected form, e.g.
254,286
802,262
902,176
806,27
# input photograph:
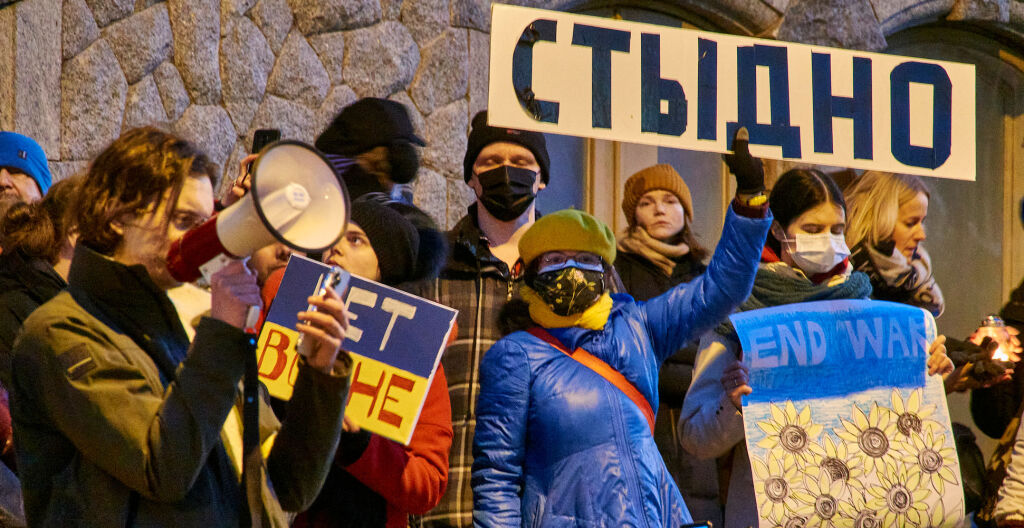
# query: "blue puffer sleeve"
690,309
499,445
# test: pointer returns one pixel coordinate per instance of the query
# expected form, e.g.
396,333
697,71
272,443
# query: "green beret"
567,230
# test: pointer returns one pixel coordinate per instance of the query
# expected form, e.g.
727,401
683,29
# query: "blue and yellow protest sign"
395,340
844,427
578,75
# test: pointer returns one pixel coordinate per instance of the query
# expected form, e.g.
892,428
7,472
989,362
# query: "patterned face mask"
570,288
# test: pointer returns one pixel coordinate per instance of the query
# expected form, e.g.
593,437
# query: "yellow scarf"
593,318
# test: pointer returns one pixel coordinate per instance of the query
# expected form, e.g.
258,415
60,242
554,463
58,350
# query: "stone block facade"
74,74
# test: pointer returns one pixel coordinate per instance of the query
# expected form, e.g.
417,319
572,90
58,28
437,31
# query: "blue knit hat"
23,153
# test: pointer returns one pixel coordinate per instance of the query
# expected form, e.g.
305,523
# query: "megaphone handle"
252,317
214,265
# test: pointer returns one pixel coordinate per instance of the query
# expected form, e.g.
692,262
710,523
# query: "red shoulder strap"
602,369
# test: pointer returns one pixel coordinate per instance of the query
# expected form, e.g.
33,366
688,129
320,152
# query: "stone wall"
75,73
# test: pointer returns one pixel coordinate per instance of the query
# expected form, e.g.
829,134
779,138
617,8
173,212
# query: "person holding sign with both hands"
804,259
566,409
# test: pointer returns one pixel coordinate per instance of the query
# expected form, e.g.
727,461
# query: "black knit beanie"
483,134
433,250
393,238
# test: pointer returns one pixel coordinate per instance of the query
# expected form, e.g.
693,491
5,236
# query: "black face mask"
404,162
507,191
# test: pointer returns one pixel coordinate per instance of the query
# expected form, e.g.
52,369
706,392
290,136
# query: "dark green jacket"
108,436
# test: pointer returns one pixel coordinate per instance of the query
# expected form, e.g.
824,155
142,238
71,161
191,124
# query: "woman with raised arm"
566,410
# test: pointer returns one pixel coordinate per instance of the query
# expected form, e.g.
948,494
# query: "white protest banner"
625,81
844,427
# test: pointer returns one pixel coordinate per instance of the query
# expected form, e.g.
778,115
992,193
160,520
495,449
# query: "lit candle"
994,327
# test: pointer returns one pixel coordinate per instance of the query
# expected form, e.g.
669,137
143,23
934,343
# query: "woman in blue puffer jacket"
563,440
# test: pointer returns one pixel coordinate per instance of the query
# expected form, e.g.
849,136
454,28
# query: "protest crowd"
590,378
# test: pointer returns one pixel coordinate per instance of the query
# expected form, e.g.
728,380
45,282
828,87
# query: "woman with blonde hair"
885,231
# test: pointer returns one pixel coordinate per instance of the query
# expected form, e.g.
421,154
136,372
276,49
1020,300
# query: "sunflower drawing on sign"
859,437
871,436
773,485
855,511
901,495
929,456
834,457
866,473
819,500
911,417
792,432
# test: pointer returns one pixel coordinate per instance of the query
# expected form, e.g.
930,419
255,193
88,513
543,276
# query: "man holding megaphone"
119,420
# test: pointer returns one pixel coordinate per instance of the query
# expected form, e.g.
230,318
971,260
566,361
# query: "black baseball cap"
367,123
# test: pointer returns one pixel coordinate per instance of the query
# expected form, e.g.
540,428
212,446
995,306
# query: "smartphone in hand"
260,139
335,278
331,279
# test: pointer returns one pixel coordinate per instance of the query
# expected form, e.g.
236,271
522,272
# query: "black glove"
982,367
964,352
748,170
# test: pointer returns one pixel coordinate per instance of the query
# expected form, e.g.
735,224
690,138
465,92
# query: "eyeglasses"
556,258
184,221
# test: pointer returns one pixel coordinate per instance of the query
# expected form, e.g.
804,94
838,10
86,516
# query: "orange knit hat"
661,176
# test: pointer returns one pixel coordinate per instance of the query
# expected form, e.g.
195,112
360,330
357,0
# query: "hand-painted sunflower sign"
844,428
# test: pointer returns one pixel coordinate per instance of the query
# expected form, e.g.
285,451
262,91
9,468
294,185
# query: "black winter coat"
25,284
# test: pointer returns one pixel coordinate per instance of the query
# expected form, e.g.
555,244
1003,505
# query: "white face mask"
817,253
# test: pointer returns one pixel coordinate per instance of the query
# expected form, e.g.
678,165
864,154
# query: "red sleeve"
268,292
412,478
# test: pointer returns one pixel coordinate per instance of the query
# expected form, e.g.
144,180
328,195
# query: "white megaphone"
295,198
